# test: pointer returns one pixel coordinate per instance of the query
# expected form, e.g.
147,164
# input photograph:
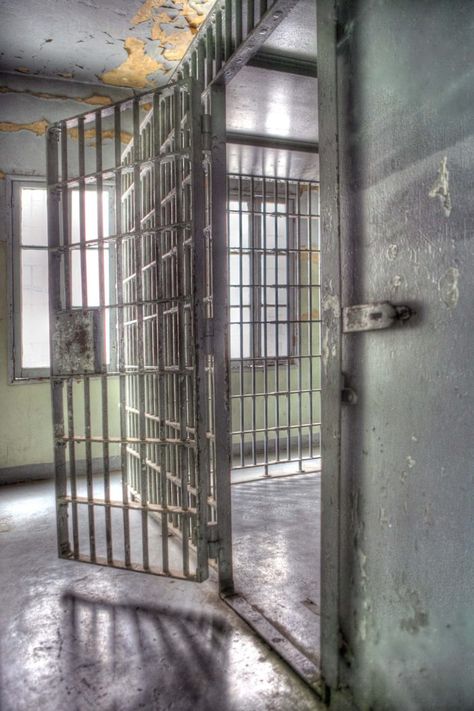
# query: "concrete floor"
276,545
76,636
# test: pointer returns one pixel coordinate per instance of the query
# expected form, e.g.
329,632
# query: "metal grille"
274,247
122,279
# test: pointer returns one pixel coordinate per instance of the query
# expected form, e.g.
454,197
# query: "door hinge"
212,540
373,317
206,131
209,336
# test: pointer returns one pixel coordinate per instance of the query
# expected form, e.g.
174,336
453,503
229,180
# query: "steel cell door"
131,307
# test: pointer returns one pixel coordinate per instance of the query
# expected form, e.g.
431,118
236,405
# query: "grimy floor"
276,548
76,637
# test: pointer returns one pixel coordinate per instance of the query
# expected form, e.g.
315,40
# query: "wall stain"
39,128
92,100
2,175
419,618
107,134
448,287
134,71
440,188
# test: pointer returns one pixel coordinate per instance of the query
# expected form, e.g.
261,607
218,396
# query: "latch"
212,540
373,317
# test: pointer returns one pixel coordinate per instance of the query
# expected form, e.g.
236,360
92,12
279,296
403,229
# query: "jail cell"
273,232
127,316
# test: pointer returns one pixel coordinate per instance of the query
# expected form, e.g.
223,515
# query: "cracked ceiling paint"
123,43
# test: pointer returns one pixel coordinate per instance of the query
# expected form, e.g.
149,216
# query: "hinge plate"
212,540
373,317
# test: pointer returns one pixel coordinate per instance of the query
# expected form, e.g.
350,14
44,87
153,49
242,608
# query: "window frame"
16,372
257,359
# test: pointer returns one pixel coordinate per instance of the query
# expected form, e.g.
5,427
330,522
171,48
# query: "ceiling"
127,43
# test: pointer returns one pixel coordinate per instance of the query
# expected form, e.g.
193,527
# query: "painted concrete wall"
406,118
27,106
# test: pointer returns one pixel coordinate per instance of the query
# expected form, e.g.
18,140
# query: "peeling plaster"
448,287
134,71
93,100
37,127
440,188
107,134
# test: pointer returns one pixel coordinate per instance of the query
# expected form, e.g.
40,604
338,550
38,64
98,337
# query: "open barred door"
132,349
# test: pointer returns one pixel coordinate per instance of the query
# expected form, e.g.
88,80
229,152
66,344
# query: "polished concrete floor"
276,546
75,636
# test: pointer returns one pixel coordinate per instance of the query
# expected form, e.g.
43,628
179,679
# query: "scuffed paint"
39,128
135,70
448,287
92,100
107,134
440,188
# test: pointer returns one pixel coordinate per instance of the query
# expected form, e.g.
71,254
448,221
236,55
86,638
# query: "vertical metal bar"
238,7
200,356
218,42
223,440
103,379
292,313
182,289
331,336
160,237
68,304
138,245
250,16
54,308
264,306
228,40
84,300
121,332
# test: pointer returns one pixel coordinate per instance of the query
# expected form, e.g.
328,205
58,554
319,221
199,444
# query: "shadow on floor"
125,656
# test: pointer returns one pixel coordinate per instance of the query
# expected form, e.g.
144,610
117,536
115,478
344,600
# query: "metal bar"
120,336
104,384
54,306
137,200
285,63
84,303
160,351
222,424
181,345
331,378
199,345
287,144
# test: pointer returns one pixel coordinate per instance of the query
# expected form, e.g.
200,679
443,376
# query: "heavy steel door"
131,274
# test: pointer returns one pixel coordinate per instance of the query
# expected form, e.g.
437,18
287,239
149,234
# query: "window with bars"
30,353
263,267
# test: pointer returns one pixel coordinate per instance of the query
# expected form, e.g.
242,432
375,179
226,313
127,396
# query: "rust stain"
147,106
134,71
66,75
107,134
23,70
2,175
93,100
39,128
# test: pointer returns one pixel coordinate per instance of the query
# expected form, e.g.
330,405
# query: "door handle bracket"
373,317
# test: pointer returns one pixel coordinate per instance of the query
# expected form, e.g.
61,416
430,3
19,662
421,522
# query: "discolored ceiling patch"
136,69
92,100
107,134
39,128
124,43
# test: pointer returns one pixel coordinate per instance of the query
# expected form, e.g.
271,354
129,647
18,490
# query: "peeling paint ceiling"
125,43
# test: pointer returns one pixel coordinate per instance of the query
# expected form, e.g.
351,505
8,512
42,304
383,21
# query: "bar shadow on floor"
128,656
